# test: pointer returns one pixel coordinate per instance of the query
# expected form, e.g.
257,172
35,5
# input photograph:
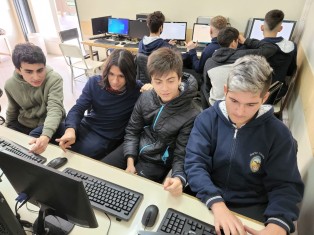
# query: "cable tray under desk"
108,197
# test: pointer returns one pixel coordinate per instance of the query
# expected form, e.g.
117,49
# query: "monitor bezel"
262,19
208,33
176,22
142,21
105,28
114,18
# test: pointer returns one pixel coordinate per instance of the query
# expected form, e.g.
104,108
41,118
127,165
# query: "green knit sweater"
34,106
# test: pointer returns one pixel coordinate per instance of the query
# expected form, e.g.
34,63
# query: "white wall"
186,10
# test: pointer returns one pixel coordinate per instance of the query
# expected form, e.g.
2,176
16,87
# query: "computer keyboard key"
108,197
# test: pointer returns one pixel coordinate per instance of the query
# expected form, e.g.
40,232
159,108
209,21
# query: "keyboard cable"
109,223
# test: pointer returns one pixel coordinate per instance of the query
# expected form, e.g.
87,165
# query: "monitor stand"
49,224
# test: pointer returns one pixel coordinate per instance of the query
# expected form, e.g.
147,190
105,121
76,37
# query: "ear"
225,89
18,71
266,97
262,27
280,28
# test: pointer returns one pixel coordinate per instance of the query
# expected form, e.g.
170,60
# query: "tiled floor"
59,65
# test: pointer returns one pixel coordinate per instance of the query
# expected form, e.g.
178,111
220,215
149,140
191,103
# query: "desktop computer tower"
8,222
142,16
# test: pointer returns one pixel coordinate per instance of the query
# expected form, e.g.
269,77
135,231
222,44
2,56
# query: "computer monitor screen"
201,33
174,31
49,189
100,25
138,29
255,29
118,26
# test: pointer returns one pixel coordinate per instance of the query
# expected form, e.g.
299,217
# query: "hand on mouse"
174,186
67,139
39,145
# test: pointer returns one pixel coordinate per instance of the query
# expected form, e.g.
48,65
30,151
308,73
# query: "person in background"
152,42
160,124
110,99
190,58
35,97
284,62
240,157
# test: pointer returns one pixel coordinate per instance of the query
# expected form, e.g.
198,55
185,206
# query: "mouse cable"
23,223
109,223
30,210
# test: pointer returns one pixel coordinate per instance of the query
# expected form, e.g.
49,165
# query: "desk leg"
91,52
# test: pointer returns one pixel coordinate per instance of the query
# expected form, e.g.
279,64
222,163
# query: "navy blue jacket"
147,49
198,64
254,164
110,112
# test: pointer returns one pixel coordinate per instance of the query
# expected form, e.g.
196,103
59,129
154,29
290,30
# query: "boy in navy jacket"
241,157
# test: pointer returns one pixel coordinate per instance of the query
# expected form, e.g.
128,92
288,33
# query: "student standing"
35,95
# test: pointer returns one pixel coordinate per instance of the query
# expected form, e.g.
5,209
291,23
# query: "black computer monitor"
118,26
201,33
54,192
253,29
138,29
100,25
174,31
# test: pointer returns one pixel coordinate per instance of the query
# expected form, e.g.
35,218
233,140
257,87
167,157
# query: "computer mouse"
150,215
122,43
57,162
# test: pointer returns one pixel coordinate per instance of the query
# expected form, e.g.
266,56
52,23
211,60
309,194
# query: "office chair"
274,90
75,59
141,62
71,34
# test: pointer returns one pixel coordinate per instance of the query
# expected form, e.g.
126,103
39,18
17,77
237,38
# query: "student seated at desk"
241,157
160,124
152,42
111,98
35,97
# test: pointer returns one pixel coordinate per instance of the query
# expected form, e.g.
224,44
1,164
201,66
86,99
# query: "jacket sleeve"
283,183
293,65
83,103
55,109
198,160
134,129
179,151
257,47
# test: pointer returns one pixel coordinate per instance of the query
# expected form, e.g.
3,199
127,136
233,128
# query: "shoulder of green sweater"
51,74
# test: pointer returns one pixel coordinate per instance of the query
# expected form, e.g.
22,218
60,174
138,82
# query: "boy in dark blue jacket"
241,157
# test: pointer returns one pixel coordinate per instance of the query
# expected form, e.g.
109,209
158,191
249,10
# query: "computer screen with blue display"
253,29
174,31
118,26
201,33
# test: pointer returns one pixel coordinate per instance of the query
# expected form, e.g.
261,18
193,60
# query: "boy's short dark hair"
27,53
227,35
273,18
125,61
155,20
163,61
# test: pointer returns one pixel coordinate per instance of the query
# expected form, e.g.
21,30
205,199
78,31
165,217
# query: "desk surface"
153,193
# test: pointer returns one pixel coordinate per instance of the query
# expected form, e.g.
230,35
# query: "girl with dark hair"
110,99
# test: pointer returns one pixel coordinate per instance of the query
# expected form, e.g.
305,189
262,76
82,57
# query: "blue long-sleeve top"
109,113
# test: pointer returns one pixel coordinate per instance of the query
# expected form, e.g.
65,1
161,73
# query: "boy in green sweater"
35,95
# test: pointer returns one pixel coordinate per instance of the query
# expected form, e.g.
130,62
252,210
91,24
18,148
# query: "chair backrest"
142,74
274,90
72,54
69,35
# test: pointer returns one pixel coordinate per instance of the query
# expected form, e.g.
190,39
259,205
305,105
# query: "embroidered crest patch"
255,163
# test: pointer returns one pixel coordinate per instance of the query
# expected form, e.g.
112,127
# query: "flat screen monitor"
254,29
100,25
118,26
174,31
54,192
201,33
138,29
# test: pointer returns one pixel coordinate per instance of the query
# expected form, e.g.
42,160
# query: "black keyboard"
108,197
106,41
176,222
131,45
20,151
